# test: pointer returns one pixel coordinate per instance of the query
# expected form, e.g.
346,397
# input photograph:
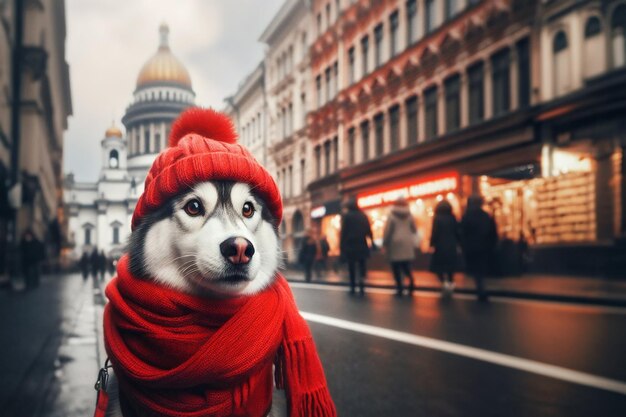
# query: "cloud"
108,42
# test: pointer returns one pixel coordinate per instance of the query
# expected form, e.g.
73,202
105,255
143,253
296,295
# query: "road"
383,356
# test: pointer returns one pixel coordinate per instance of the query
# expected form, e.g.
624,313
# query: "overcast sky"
109,41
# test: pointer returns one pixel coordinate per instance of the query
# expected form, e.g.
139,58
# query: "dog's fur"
183,251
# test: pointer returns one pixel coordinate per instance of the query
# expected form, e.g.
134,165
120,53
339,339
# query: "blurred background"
520,101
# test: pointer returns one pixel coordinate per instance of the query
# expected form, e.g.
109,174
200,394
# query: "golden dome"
113,131
163,67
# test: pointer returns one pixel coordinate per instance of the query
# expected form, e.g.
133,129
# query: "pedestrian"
444,242
399,238
355,230
102,264
84,265
32,253
479,239
306,257
321,255
95,263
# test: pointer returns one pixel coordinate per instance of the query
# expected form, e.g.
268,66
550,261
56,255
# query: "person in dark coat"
444,242
102,264
355,230
479,237
321,255
95,263
306,257
32,253
84,265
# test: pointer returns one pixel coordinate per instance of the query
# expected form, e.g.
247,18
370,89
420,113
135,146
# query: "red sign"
411,191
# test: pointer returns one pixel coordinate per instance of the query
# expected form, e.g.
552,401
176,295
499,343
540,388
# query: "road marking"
496,299
501,359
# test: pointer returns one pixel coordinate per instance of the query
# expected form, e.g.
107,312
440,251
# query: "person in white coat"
399,239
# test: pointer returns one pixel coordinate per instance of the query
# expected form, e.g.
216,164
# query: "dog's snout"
237,250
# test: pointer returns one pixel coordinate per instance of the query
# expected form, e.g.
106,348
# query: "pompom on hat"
203,147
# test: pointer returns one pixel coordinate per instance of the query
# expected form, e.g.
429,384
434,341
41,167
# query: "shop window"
411,21
114,159
453,103
411,120
430,109
379,133
394,127
336,154
318,161
378,45
523,71
365,41
618,35
451,8
351,66
394,34
475,76
561,64
351,138
430,16
327,157
501,82
365,140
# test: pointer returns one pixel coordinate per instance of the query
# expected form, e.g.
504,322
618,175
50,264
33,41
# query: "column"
421,15
404,140
402,28
514,79
464,99
164,138
441,110
488,90
421,118
341,148
386,132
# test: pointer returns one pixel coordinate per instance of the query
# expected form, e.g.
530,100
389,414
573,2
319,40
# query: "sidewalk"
586,290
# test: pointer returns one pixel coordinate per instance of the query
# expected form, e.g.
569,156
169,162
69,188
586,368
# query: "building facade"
100,213
287,70
35,104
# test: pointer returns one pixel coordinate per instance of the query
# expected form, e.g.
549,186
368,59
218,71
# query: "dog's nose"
237,250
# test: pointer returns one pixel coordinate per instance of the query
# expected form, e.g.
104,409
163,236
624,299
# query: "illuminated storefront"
327,221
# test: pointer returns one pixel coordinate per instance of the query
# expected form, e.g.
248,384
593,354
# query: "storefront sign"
318,212
429,187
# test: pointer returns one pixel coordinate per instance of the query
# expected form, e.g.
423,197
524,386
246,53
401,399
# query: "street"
382,355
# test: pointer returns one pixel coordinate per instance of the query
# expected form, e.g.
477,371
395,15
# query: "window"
593,61
290,119
411,21
302,175
394,34
351,136
453,103
327,157
318,88
500,80
319,24
379,133
336,154
335,78
618,35
378,45
475,75
114,159
411,120
365,54
87,235
430,108
365,140
146,142
394,127
303,107
430,15
318,161
351,66
328,85
451,9
116,234
290,189
561,64
284,185
523,70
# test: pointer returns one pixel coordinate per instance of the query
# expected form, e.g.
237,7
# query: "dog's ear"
204,122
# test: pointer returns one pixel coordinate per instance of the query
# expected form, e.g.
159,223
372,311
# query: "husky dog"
216,240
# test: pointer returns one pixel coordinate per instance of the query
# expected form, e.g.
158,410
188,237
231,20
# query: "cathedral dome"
113,131
163,67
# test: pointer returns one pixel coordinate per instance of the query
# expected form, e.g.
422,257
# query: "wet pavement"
383,355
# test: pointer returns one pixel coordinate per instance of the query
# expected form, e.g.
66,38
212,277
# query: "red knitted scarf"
185,356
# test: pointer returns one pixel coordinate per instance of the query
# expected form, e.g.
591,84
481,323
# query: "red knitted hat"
202,147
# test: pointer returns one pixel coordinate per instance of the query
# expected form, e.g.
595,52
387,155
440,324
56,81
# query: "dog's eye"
247,210
194,208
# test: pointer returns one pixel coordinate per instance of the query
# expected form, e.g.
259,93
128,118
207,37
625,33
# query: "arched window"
561,65
594,58
618,35
114,159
